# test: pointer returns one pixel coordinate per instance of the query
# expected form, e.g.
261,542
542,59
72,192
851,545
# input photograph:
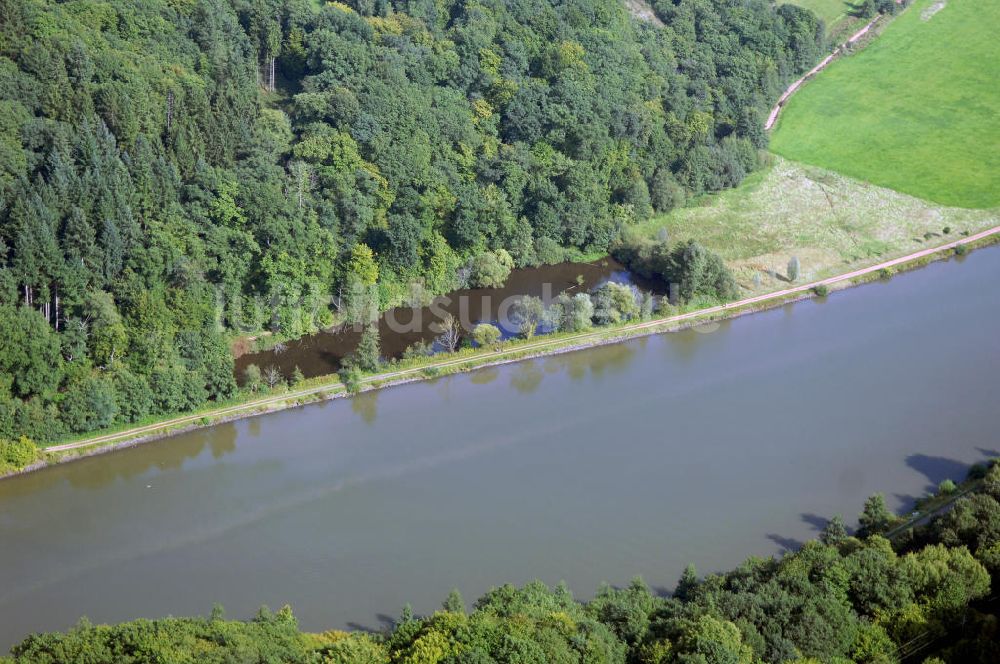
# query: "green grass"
915,111
832,223
835,13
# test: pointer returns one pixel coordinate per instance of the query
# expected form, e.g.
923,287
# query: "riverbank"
330,387
800,412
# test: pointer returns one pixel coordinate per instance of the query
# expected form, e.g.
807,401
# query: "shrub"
16,454
417,350
821,290
665,192
133,396
252,377
793,268
961,250
486,335
664,308
885,273
700,272
548,251
571,313
527,313
88,404
351,378
615,303
946,488
490,269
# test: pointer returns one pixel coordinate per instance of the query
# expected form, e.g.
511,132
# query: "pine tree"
366,356
876,518
834,532
454,603
687,584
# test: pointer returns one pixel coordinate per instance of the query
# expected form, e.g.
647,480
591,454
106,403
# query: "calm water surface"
703,446
321,354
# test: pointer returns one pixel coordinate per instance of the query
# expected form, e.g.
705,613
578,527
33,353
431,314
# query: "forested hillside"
173,172
923,596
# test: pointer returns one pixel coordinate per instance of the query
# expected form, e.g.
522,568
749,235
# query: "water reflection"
96,473
366,405
223,440
760,433
596,361
322,353
687,343
526,376
484,376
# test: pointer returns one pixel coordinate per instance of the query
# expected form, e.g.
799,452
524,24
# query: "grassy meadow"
832,223
915,111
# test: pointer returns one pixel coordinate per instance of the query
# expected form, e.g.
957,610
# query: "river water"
702,446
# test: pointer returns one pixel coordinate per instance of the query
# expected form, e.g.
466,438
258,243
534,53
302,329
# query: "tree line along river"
702,446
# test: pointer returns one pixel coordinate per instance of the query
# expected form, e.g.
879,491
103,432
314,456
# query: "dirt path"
562,343
793,88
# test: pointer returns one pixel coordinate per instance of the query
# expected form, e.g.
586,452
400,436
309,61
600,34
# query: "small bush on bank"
961,250
822,290
351,378
16,454
417,350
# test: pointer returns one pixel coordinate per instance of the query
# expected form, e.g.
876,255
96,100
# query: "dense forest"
177,172
882,595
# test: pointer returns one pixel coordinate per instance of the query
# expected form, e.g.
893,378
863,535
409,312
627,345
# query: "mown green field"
917,111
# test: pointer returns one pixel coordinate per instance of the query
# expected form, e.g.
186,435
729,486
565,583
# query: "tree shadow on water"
384,622
818,523
937,469
786,543
814,521
662,591
906,502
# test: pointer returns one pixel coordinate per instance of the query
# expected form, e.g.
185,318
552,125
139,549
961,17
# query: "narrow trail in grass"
562,344
773,117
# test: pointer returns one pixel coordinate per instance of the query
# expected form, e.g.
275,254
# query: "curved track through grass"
915,110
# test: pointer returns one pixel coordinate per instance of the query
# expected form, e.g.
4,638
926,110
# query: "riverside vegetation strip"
473,358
